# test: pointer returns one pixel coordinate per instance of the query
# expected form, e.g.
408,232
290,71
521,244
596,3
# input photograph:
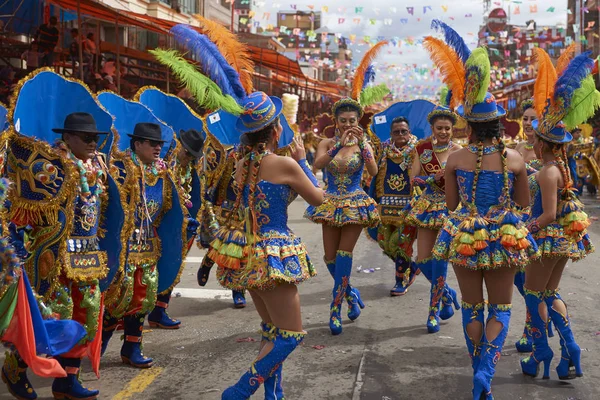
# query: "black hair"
263,135
75,31
347,108
90,35
53,19
485,130
398,120
132,142
441,116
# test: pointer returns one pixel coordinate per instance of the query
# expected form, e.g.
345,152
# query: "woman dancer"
276,260
484,239
347,209
557,222
526,148
428,211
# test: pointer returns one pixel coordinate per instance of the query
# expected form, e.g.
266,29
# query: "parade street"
385,354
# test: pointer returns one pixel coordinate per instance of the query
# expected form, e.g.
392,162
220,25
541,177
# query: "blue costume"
156,227
59,210
564,238
176,113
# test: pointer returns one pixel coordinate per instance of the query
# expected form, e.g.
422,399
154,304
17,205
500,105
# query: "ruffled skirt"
278,258
340,210
427,210
553,242
492,254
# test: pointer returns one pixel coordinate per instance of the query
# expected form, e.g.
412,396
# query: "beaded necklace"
404,153
528,146
550,163
87,172
440,149
486,149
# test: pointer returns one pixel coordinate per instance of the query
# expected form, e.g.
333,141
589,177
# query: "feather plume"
565,58
585,102
453,39
213,64
450,66
359,74
477,77
444,96
205,91
543,89
369,76
570,80
235,52
373,94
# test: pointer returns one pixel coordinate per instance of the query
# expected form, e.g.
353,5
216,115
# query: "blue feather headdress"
453,39
211,60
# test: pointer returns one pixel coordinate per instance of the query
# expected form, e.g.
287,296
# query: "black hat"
79,122
193,141
147,131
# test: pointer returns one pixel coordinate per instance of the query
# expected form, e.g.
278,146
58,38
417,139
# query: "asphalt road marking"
139,383
197,293
360,375
194,260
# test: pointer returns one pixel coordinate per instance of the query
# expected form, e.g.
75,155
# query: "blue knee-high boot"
570,360
261,370
355,303
406,273
473,313
433,320
273,389
439,269
524,345
14,374
343,268
70,388
159,318
131,352
490,352
449,303
537,331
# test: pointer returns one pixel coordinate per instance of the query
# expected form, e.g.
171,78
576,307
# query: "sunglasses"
154,143
401,132
89,138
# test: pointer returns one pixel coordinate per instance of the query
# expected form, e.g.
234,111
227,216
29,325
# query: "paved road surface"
386,354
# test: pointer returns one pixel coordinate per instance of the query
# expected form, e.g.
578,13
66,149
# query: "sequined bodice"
153,203
344,174
489,191
271,205
536,197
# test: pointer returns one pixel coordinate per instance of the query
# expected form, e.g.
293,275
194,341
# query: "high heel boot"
439,269
570,360
490,352
355,303
449,303
159,318
70,388
261,370
473,313
541,351
406,274
273,389
131,352
343,267
523,345
14,374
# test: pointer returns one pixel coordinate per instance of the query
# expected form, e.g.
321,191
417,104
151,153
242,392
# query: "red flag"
20,334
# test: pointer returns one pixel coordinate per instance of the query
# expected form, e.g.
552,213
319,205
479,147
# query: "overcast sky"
453,12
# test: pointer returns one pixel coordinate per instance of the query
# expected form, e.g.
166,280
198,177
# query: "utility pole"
577,32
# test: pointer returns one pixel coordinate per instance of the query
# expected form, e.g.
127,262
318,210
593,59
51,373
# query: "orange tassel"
480,245
508,241
522,244
466,250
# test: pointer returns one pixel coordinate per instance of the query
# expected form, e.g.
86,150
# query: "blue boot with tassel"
159,318
239,299
131,352
406,273
473,313
343,268
491,351
541,351
273,389
14,374
570,360
355,303
261,370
